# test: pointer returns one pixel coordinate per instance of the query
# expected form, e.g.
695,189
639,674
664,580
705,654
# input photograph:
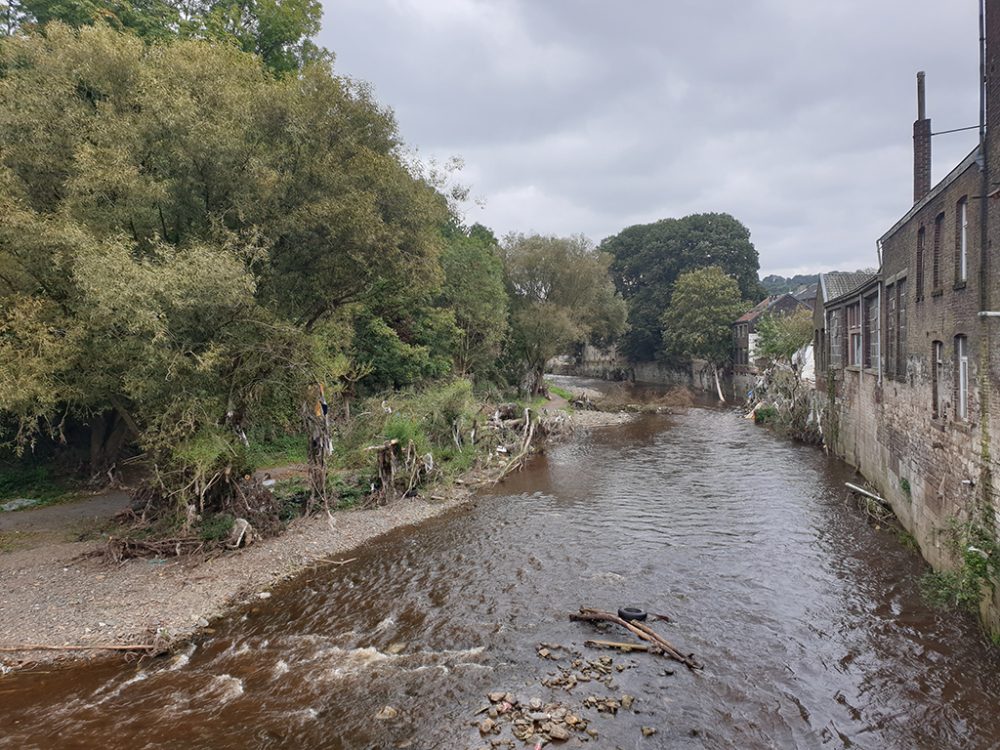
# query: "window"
921,237
961,378
936,262
901,329
937,368
854,348
836,355
890,330
962,241
871,330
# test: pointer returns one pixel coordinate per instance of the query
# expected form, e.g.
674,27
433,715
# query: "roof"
806,293
756,311
834,284
762,307
953,175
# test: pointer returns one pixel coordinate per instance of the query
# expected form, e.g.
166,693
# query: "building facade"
909,360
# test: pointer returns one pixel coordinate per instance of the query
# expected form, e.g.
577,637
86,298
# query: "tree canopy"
779,337
281,32
186,239
698,322
560,294
649,258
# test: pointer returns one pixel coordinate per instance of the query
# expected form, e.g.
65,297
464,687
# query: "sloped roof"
757,310
762,307
834,284
806,293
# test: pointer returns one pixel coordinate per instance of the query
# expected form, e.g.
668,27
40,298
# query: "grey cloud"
585,116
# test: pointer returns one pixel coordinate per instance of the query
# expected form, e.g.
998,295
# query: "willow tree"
181,232
560,295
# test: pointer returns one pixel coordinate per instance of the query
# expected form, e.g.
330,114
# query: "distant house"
831,339
745,329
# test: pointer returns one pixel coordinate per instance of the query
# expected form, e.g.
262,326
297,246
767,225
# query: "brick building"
745,364
909,359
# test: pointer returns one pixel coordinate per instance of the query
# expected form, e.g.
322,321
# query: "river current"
807,617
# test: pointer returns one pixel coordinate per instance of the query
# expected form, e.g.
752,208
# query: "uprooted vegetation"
419,440
622,398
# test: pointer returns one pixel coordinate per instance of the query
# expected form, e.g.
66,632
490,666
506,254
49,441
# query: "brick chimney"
921,146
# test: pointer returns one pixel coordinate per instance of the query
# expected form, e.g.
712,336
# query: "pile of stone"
532,721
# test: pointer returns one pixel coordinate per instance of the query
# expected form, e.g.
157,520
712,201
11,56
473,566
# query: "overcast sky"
587,116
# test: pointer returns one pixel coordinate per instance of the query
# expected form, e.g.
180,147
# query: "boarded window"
854,342
921,238
836,338
936,262
961,378
937,369
901,329
962,241
871,330
890,330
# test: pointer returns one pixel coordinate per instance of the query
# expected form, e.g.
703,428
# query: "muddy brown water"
808,619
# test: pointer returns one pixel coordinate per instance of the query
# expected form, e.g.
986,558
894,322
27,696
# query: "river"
807,618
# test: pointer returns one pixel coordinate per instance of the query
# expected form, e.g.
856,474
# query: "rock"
558,733
627,701
538,716
495,697
572,720
395,648
388,713
648,731
486,726
264,595
535,704
544,653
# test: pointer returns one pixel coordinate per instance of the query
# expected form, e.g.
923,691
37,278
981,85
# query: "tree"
474,289
648,259
698,323
279,31
560,295
183,237
779,337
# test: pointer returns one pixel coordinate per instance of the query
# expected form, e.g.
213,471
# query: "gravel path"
57,592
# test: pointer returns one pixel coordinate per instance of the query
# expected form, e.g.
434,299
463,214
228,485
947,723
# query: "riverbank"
56,592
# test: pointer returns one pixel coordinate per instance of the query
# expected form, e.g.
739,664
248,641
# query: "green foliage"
703,306
474,289
279,31
765,415
904,485
775,284
978,556
649,258
20,479
560,295
278,450
216,527
184,236
779,337
406,430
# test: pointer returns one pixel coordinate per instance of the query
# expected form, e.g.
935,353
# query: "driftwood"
626,647
102,647
640,630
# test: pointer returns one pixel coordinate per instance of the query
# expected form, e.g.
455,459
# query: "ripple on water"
808,620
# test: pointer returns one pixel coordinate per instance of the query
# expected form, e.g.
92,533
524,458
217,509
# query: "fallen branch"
866,493
626,647
644,632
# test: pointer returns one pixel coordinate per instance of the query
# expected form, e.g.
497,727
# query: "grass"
279,450
37,482
561,392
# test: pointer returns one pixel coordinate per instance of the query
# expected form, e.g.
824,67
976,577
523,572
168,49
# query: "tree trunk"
98,431
718,387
